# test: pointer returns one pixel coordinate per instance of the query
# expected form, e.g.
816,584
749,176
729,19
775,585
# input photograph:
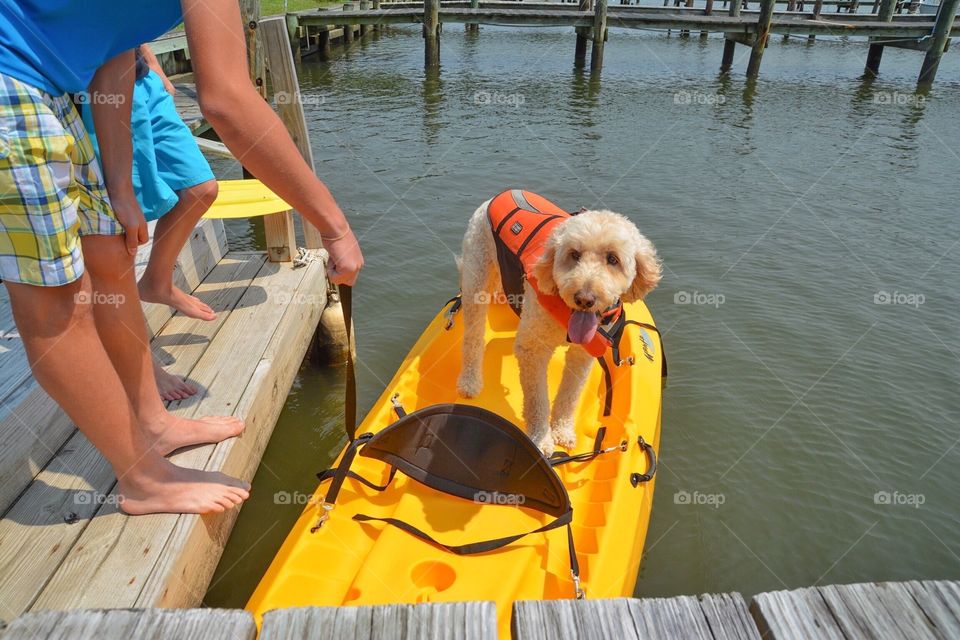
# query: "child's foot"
170,386
167,294
171,489
173,432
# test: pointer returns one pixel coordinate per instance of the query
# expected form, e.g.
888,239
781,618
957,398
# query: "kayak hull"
346,562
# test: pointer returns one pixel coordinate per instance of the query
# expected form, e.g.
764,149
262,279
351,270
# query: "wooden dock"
63,542
882,611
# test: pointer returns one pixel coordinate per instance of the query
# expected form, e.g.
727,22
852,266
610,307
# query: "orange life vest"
521,222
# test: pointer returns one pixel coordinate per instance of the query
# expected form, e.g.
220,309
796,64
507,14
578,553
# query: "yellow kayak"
352,562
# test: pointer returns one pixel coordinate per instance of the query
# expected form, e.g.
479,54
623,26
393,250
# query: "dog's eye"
612,259
575,256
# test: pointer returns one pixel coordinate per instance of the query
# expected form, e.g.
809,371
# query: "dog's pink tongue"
582,326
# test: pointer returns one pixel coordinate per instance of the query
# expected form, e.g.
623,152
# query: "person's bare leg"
170,386
67,358
172,232
119,321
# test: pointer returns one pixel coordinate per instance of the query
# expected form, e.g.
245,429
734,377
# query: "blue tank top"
57,45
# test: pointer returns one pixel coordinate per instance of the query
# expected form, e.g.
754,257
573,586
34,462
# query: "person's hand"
345,261
172,90
130,217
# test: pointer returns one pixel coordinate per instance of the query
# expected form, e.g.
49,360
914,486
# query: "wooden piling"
941,36
580,56
473,26
283,77
599,34
760,39
348,28
250,14
376,7
364,6
729,44
708,10
875,53
431,33
293,33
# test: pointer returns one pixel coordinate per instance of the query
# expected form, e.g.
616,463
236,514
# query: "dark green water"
809,230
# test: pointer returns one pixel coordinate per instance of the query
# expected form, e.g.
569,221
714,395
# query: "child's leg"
170,386
119,322
68,360
172,232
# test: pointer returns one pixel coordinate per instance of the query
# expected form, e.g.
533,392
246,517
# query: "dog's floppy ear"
543,269
648,270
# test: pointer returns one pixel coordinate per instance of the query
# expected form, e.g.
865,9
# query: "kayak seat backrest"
472,453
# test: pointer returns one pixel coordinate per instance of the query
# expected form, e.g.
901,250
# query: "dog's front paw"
469,384
544,442
564,434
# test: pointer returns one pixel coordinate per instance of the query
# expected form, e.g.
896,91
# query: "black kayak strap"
341,471
326,474
483,546
350,401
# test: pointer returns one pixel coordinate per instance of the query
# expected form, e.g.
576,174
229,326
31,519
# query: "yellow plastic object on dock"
245,199
346,562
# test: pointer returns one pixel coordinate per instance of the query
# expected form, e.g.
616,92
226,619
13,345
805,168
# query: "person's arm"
253,132
154,64
111,92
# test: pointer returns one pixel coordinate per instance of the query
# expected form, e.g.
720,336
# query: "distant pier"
591,20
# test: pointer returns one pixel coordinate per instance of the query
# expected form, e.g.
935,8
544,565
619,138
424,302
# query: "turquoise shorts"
166,158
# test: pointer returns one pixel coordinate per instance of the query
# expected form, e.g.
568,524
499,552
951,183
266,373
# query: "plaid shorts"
51,187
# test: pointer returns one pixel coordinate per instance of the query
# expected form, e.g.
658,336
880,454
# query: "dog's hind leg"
477,267
576,370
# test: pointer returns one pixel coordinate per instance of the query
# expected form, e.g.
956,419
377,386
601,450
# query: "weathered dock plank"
708,616
798,614
436,621
876,611
940,601
869,610
155,624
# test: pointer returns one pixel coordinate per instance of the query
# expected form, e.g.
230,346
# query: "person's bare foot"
166,293
167,488
172,432
170,386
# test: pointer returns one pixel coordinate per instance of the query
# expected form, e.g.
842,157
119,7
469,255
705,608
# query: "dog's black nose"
585,300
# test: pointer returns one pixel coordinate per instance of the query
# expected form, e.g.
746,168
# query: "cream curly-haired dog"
591,260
